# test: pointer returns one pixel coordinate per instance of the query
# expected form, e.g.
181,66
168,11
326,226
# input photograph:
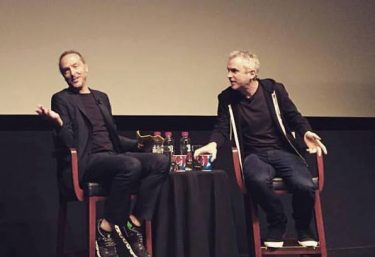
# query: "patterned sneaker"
104,244
132,240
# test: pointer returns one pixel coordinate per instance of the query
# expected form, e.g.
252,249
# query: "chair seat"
278,184
95,189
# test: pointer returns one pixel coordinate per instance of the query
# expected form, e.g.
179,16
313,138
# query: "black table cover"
194,217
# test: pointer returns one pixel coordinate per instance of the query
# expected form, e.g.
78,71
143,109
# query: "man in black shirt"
84,121
262,118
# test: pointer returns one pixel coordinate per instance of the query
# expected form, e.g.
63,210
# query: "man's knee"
255,171
132,168
161,163
305,186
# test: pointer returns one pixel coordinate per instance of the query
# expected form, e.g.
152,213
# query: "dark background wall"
28,191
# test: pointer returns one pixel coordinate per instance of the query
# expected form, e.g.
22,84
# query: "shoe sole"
97,249
274,244
126,243
310,243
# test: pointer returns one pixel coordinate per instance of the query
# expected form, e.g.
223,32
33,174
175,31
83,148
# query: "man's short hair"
70,52
252,61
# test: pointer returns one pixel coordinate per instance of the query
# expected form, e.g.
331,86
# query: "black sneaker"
306,238
275,236
132,239
104,244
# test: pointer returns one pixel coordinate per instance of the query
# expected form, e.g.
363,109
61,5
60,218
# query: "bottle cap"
157,133
184,133
168,133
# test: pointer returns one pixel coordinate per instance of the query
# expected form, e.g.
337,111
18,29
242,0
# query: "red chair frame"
291,248
90,201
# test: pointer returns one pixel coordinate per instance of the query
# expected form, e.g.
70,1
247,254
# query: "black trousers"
122,173
260,169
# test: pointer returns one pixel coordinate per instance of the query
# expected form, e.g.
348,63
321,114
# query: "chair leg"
252,208
91,209
320,225
148,236
61,229
255,228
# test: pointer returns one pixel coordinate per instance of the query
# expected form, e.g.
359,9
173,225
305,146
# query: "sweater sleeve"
64,133
221,129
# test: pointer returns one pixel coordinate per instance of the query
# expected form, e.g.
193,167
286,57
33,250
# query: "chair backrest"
70,187
237,170
78,191
278,184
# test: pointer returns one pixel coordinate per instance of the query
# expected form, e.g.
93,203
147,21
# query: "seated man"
262,117
83,120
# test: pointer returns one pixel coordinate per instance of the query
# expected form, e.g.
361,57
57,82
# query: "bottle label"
157,148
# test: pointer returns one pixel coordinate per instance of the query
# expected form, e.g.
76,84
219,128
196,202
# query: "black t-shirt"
101,141
258,128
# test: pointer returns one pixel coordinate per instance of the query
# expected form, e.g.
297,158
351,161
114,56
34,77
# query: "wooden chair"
291,247
90,194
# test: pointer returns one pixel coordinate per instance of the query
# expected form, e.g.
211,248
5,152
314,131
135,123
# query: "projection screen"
169,57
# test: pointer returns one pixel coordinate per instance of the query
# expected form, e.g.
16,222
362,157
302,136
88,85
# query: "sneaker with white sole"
306,238
275,236
105,244
132,240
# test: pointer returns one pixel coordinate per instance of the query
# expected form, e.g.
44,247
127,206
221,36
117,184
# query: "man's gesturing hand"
49,114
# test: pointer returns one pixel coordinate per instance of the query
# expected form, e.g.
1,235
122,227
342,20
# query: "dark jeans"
260,169
124,172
